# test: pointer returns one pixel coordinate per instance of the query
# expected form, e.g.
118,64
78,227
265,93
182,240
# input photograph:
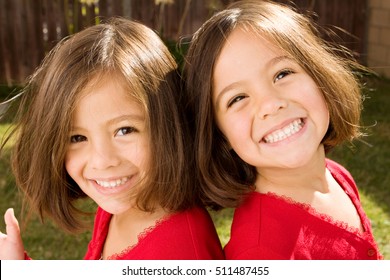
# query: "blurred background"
30,28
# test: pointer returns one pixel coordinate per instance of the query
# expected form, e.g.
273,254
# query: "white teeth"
113,183
284,132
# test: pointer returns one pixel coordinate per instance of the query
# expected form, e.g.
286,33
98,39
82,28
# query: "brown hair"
136,55
226,178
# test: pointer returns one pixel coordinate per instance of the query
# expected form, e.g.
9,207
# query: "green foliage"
6,91
178,51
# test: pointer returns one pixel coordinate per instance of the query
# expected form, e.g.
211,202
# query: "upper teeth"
113,183
284,132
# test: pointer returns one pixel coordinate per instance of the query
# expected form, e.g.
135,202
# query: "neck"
309,175
136,215
125,229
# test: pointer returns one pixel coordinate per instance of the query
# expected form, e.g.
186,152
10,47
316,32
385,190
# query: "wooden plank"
23,42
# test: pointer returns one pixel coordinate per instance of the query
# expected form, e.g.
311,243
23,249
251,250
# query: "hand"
11,244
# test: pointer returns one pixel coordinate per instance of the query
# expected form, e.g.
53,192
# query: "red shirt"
185,235
268,226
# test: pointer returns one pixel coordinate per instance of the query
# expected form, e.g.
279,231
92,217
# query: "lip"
113,190
282,125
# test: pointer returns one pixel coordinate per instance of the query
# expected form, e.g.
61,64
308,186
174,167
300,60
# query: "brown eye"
283,74
235,100
126,130
77,138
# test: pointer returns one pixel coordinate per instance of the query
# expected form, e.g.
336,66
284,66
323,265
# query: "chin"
115,209
298,162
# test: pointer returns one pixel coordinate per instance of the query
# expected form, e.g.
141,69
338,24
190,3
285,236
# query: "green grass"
42,241
368,162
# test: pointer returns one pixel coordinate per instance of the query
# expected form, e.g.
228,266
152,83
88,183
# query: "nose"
103,155
270,104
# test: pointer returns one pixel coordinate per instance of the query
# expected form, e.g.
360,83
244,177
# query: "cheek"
145,157
72,165
138,153
322,111
315,102
235,130
327,117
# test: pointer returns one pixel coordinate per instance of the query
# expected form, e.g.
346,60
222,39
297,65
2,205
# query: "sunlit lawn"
368,162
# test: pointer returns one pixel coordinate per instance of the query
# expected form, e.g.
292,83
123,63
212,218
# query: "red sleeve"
100,231
204,236
26,256
341,174
187,235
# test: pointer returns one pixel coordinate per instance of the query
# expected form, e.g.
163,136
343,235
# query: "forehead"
104,99
244,42
113,81
244,50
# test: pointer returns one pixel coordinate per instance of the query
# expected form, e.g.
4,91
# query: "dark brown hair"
135,55
225,177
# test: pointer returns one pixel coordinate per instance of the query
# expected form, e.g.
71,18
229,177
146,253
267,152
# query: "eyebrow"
135,117
271,62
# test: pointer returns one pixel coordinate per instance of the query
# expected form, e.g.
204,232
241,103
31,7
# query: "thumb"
12,225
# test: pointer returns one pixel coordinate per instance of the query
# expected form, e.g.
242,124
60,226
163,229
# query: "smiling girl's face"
269,109
108,149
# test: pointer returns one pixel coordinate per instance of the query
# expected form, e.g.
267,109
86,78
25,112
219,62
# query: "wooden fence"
30,28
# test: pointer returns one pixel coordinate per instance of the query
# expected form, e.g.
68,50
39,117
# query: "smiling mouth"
112,183
285,132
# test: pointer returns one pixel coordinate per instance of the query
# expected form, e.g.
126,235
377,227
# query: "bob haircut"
225,177
134,55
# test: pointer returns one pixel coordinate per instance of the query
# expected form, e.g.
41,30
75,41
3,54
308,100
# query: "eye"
126,130
235,100
77,138
283,74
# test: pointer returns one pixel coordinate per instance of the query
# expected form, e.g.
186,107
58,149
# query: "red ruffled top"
269,226
185,235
